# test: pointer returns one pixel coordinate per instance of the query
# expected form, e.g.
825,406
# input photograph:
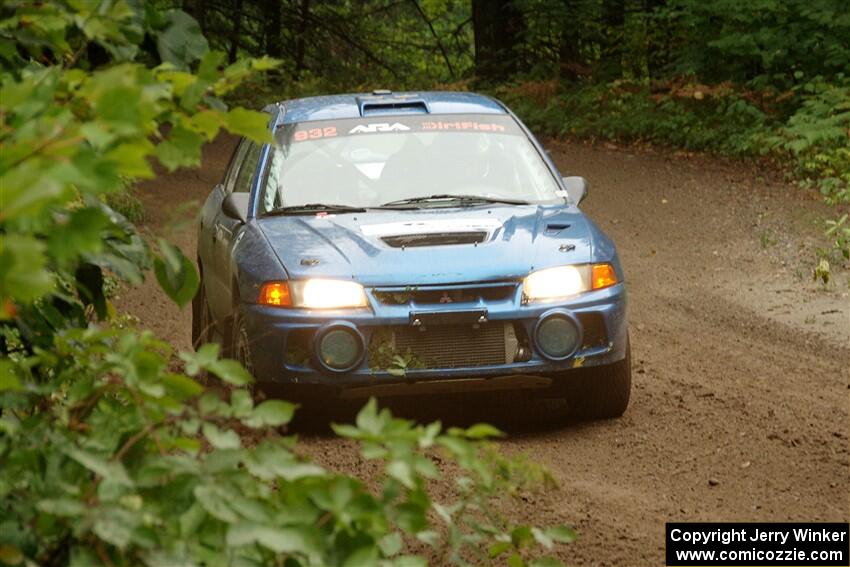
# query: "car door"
206,231
224,229
212,206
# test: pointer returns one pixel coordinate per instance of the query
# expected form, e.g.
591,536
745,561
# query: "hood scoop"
435,239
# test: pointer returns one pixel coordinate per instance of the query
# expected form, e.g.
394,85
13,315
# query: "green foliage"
817,137
176,273
839,229
119,457
126,203
821,272
340,46
684,117
816,141
113,453
71,137
180,40
766,43
762,44
382,356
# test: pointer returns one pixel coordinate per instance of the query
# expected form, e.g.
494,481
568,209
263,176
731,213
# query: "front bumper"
270,330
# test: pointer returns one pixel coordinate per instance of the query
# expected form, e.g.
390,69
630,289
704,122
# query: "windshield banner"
323,129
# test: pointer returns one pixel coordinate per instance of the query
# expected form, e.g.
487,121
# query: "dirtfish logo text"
378,127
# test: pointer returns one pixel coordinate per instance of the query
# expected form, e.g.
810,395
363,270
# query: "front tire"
202,322
240,344
240,350
600,392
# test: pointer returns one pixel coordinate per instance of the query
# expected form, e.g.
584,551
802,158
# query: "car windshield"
405,161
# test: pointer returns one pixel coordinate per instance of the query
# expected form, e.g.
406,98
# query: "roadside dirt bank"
739,408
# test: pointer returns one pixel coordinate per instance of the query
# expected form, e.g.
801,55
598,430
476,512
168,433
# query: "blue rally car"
396,243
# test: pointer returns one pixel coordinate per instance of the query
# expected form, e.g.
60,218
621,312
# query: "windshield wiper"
315,208
469,199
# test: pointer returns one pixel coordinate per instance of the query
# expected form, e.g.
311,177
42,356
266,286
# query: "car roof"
386,103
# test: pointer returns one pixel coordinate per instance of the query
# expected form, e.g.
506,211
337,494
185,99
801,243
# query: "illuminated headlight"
313,294
328,294
553,283
566,281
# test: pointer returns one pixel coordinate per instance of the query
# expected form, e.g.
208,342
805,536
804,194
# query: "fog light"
557,336
339,349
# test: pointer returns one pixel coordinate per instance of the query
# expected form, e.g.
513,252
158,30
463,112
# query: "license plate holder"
456,317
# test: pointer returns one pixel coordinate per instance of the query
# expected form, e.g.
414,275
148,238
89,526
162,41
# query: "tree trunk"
613,22
497,25
303,18
198,10
272,28
569,62
235,32
659,40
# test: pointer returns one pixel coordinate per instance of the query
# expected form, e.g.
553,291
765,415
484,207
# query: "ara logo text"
378,127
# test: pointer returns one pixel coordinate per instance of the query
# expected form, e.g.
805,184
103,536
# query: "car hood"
361,246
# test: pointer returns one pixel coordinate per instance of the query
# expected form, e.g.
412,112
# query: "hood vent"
393,107
435,239
556,227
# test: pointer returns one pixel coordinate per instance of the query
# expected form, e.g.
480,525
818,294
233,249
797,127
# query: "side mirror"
577,188
235,206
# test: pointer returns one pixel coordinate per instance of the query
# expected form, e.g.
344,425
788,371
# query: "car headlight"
566,281
313,294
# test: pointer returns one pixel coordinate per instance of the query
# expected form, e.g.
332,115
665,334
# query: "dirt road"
739,409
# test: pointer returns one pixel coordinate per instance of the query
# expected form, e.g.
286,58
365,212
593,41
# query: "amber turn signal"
275,294
603,275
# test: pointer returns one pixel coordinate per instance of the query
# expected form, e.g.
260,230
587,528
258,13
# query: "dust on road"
741,371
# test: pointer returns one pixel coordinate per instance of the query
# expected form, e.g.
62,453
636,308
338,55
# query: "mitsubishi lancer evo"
398,243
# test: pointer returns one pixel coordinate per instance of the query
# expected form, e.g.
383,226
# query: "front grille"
424,295
453,346
435,239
